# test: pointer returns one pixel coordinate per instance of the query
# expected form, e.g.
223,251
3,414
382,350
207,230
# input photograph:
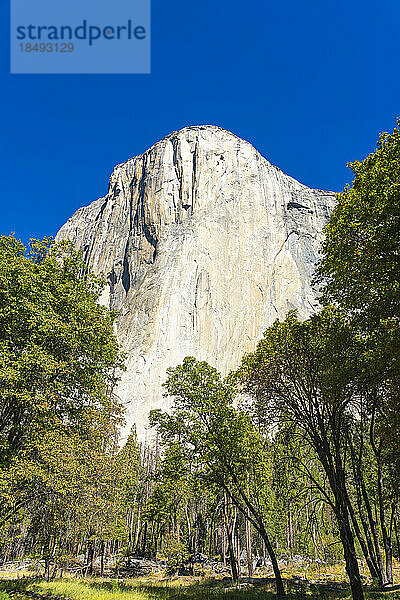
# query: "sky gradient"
310,84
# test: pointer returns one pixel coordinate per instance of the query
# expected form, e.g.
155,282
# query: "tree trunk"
280,590
102,546
145,538
238,550
259,525
347,539
372,566
90,558
387,541
131,525
228,525
290,533
224,546
190,538
337,481
137,533
369,552
249,552
372,523
396,532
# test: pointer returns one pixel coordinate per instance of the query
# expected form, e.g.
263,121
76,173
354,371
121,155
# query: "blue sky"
309,83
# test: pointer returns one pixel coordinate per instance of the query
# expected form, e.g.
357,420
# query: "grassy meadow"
17,587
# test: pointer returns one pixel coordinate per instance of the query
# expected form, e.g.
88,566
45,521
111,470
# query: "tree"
307,372
223,442
172,488
360,272
360,268
58,353
374,496
72,493
127,469
297,481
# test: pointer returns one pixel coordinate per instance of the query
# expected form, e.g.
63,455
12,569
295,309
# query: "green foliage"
175,552
220,438
360,266
58,353
360,272
304,521
305,371
308,373
62,475
222,441
172,487
73,490
127,469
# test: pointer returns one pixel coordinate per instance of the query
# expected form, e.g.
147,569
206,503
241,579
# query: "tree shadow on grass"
18,586
215,589
205,590
11,585
176,590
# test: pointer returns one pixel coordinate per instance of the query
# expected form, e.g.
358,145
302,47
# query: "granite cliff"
204,244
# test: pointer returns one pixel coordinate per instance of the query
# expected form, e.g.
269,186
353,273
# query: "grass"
177,589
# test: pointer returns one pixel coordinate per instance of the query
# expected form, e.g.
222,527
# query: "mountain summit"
204,244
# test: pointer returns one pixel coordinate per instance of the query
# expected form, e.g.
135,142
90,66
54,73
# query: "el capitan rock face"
204,244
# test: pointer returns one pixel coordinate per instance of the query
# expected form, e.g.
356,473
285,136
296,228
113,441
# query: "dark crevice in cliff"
139,215
296,205
112,280
283,245
100,213
176,160
132,190
194,176
138,223
126,276
150,235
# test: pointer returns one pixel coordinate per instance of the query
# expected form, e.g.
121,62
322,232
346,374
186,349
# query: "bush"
175,552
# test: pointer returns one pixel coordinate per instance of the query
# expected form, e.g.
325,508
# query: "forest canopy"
58,352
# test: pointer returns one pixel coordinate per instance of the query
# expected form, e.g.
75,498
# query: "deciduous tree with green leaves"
58,354
307,372
223,441
360,272
360,267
